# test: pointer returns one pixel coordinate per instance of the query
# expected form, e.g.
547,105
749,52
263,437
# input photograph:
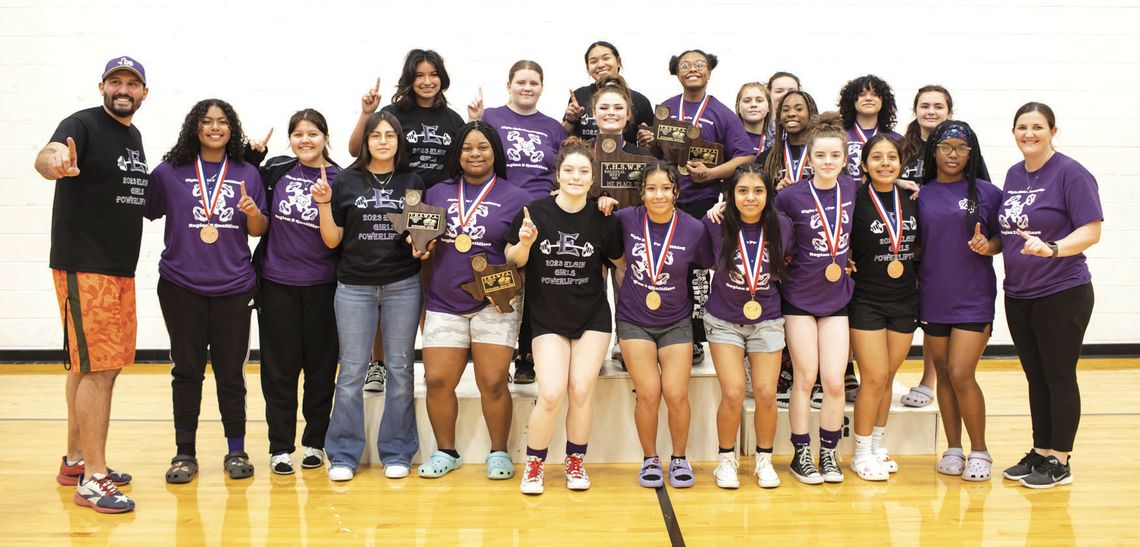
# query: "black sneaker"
803,468
374,379
1049,473
817,397
784,388
850,383
1025,467
524,370
698,353
829,465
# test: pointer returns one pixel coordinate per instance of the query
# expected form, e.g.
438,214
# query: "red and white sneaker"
532,476
102,495
576,477
69,474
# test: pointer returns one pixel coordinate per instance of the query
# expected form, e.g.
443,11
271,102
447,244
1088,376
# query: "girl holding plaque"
884,306
212,201
653,309
480,205
562,241
816,292
613,111
867,105
602,61
786,162
378,282
1052,214
298,280
744,316
957,287
754,108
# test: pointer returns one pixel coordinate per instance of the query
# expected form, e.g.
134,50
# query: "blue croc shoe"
440,464
500,466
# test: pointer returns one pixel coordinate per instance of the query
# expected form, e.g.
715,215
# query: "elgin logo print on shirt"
132,162
299,200
640,267
524,146
381,199
566,246
1013,212
222,213
429,134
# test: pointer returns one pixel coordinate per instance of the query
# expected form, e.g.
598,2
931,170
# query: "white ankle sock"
862,445
877,436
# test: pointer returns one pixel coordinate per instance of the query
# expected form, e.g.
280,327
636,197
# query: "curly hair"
186,149
454,168
849,95
775,159
405,98
769,219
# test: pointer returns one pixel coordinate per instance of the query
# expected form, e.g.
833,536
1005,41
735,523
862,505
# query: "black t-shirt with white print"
372,252
429,132
871,248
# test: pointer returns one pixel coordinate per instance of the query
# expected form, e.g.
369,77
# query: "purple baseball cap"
125,63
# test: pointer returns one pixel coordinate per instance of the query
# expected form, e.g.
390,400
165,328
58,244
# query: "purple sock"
801,441
829,439
237,444
572,448
540,454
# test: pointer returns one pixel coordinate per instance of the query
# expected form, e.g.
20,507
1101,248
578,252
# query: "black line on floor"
670,517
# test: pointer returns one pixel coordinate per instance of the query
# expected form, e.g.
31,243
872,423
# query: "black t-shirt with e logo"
96,223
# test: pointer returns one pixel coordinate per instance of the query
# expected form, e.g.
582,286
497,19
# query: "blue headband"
956,131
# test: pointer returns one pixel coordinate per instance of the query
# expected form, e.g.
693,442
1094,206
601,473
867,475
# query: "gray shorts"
486,326
680,332
762,337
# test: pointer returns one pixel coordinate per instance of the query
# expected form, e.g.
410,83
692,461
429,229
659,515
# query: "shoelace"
574,467
105,486
805,461
533,470
730,461
829,460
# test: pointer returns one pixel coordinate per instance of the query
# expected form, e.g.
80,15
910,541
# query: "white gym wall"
270,59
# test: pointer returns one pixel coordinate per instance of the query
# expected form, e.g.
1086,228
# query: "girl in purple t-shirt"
816,293
661,245
1051,213
867,105
957,287
212,201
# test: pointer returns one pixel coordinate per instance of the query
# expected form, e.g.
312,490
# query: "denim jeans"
397,307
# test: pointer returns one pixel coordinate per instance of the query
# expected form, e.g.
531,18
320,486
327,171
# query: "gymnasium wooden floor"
917,506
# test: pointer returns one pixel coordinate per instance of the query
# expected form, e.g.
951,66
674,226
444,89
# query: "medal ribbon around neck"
655,266
700,110
751,269
466,215
831,234
797,167
863,136
210,203
895,228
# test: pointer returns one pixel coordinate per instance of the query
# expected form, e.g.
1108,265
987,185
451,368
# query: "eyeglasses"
699,65
960,151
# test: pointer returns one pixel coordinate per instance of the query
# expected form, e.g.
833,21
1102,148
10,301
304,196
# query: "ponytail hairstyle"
960,130
525,65
769,219
912,141
317,119
571,146
454,168
670,171
775,160
365,158
616,85
849,95
827,125
405,97
767,98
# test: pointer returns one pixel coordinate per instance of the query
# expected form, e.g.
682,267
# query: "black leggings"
298,333
1048,332
206,326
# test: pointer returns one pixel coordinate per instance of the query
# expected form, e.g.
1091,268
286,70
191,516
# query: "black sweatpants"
1048,332
298,333
207,326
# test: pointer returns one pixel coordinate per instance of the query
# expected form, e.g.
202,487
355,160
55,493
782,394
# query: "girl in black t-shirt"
884,307
562,241
580,120
786,162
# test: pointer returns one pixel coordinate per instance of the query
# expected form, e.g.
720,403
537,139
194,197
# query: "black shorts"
600,321
870,314
786,308
942,330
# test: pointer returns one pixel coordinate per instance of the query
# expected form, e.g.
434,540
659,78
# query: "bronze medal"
833,272
895,269
208,234
752,310
653,300
463,243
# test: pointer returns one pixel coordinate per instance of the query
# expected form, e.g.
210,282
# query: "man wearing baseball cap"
97,162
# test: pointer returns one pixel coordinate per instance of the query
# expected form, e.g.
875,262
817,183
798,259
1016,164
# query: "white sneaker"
313,458
869,468
766,475
281,464
396,471
532,476
576,477
340,473
374,378
885,458
725,472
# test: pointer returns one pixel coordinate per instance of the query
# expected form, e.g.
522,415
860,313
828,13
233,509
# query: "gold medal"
752,310
653,300
895,269
208,234
833,272
463,243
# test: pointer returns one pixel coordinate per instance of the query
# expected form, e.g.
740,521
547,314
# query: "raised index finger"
243,194
573,99
526,213
268,136
71,150
1023,235
324,175
377,88
978,229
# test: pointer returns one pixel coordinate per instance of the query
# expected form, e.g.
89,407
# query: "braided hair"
775,160
973,164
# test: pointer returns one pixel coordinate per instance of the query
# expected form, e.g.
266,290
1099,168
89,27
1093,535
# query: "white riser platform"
614,437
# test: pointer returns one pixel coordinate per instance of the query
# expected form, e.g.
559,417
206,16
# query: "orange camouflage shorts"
99,322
